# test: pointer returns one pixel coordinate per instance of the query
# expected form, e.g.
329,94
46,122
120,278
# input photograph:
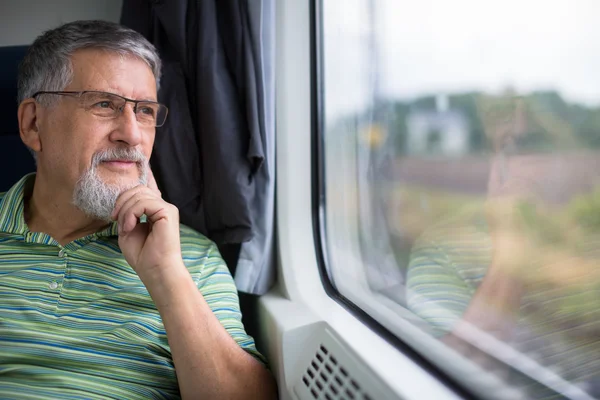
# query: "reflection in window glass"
462,177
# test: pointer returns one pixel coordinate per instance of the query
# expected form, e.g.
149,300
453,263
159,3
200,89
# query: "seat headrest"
15,160
10,57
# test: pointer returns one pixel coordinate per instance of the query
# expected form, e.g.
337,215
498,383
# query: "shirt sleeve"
435,290
218,288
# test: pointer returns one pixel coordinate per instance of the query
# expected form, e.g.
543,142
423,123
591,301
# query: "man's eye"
104,104
146,110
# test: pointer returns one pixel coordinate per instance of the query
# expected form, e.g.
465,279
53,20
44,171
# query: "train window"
460,150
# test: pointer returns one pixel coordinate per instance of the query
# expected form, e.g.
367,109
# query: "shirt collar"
12,210
111,230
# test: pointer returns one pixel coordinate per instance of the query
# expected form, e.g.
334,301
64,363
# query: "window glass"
461,165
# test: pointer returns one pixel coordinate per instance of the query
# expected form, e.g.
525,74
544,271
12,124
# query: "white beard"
97,198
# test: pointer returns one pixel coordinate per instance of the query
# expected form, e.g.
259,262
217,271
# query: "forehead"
103,70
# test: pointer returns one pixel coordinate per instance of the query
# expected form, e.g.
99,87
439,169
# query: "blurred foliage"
585,210
548,230
573,228
550,122
567,248
421,207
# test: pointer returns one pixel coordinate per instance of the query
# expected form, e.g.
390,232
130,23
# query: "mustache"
119,153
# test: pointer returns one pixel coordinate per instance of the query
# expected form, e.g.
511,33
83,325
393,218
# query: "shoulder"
198,251
465,229
194,242
458,245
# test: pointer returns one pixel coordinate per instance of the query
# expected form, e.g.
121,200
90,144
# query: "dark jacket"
206,155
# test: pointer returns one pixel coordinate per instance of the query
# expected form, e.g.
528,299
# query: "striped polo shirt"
76,322
558,326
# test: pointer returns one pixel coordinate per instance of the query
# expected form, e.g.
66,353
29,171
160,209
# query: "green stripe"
97,335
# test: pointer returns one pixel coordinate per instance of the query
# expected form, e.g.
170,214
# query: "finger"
154,209
152,182
123,198
125,220
135,239
498,174
126,196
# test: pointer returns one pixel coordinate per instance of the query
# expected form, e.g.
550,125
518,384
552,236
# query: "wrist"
503,278
164,274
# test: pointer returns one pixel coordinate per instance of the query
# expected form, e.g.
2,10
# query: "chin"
96,192
122,181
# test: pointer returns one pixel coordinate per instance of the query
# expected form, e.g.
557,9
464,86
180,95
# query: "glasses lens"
147,113
110,105
102,104
161,115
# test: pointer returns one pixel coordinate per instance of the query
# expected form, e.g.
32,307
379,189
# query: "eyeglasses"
110,105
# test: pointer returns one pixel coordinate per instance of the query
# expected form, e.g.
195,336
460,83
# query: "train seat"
15,159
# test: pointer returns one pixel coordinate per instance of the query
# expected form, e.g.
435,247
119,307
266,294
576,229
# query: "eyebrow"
114,91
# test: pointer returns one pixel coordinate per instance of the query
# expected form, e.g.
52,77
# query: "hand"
496,303
494,308
513,246
153,247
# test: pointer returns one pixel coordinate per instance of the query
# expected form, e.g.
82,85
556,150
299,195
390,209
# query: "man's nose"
127,129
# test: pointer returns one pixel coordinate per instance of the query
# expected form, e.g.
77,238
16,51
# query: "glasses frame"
81,93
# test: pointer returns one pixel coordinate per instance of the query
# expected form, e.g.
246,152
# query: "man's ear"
28,124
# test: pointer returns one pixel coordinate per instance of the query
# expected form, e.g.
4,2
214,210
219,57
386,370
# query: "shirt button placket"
62,254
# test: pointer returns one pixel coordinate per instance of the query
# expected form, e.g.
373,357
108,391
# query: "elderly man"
103,293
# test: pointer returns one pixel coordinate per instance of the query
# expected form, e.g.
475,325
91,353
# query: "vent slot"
326,379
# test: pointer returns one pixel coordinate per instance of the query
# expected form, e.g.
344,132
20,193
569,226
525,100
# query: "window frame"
319,200
298,306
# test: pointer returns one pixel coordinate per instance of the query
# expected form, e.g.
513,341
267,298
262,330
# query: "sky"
441,46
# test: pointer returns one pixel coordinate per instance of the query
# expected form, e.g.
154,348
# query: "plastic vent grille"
326,379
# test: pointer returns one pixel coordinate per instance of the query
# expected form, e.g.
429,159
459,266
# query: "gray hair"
47,64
